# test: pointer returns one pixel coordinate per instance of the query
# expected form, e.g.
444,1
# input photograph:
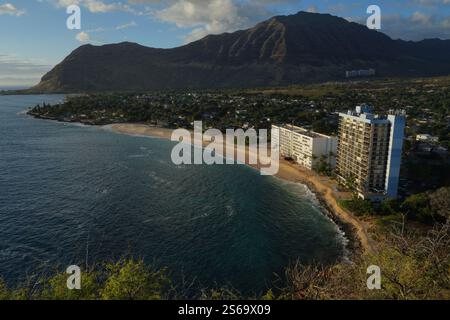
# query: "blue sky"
34,36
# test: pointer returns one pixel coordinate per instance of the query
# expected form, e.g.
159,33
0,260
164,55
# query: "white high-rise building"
305,147
370,151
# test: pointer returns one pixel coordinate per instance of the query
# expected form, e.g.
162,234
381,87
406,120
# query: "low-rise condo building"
369,152
305,147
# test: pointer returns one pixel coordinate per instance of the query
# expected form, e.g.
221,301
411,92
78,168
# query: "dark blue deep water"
71,194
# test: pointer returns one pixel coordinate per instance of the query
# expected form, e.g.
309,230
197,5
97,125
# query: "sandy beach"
324,188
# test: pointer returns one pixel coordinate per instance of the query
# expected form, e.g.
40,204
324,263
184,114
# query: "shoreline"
323,188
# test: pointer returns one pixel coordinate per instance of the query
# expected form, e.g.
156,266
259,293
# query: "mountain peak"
303,47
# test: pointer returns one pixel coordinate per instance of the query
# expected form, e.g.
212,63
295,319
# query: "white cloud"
214,16
430,3
417,26
446,23
18,71
94,6
312,9
96,30
207,17
83,37
421,18
11,10
126,25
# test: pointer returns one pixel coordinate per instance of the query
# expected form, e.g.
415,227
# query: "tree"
417,207
4,292
389,207
224,293
132,280
440,202
350,183
323,167
55,288
358,206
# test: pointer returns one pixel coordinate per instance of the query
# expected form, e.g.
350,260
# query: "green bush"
132,280
127,279
55,288
4,293
358,207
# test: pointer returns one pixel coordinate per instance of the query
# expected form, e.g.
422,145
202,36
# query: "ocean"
72,194
6,88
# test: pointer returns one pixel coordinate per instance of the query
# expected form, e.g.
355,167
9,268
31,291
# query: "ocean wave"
230,211
301,189
298,188
104,191
142,155
160,181
110,128
22,113
75,124
107,127
201,216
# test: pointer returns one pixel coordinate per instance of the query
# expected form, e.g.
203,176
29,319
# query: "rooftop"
303,131
365,113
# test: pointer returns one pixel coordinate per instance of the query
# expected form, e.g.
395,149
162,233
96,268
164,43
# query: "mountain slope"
304,47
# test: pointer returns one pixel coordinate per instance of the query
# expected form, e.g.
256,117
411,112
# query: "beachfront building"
369,152
305,147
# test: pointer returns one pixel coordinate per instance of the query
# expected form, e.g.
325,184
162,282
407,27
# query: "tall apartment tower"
370,151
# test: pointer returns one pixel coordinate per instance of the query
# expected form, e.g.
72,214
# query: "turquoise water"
71,194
